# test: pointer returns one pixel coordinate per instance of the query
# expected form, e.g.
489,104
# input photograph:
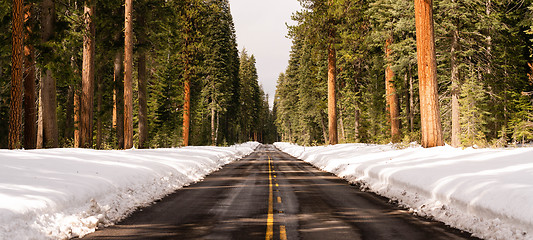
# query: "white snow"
487,192
63,193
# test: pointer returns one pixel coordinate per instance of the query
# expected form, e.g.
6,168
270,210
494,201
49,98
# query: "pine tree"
128,71
191,34
427,72
15,115
87,89
189,41
392,96
319,21
249,92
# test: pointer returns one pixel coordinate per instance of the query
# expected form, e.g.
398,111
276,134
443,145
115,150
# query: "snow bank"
488,192
63,193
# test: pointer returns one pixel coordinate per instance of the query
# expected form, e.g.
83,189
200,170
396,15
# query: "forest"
114,74
120,74
483,54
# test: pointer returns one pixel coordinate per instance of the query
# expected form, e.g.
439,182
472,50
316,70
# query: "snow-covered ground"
62,193
488,192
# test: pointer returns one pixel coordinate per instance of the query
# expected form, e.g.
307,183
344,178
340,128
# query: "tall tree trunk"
128,70
15,107
87,79
456,125
186,96
392,96
427,72
30,108
186,104
187,86
50,130
118,105
50,133
332,98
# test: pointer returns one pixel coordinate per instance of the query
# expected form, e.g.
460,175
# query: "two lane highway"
271,195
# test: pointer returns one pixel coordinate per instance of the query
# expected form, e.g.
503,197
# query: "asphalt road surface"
271,195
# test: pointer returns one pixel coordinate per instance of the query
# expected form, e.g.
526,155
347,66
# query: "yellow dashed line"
270,220
282,233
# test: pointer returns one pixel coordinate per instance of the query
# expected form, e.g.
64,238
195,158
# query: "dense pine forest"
110,74
119,74
483,52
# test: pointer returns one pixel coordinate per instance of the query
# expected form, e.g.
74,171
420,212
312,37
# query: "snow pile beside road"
488,192
63,193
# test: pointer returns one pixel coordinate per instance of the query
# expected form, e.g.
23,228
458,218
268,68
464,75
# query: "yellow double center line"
270,219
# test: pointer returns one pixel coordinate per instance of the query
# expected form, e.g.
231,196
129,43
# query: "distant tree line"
483,66
115,74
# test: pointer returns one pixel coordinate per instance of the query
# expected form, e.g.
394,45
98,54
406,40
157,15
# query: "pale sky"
260,28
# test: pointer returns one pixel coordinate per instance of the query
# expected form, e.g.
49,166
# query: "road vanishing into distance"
271,195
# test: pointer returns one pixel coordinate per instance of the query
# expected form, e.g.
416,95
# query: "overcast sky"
260,28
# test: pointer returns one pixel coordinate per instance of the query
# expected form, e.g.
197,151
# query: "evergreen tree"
15,109
128,71
249,94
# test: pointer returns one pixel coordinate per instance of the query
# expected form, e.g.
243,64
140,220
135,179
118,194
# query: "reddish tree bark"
332,98
393,105
187,87
128,69
15,107
427,72
87,79
186,105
